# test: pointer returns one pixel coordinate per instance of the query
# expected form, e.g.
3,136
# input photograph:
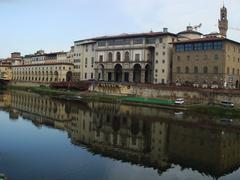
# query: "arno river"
44,138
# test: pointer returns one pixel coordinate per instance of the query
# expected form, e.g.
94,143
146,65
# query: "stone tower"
223,22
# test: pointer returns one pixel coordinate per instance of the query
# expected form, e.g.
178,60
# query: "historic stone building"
43,73
40,57
84,59
207,62
139,58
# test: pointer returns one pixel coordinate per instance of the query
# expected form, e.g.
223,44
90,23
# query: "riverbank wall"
191,95
26,84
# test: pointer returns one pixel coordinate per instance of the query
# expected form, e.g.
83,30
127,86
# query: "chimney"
165,30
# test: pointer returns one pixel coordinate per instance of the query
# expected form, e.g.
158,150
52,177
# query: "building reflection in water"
144,136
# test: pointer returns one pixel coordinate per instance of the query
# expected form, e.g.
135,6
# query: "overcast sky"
53,25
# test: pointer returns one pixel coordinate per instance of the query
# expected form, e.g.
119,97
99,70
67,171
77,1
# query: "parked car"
179,101
227,104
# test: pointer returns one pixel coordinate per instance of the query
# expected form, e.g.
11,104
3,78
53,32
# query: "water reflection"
142,136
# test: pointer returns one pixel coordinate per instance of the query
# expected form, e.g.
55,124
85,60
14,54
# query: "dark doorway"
148,74
69,76
137,73
118,73
109,76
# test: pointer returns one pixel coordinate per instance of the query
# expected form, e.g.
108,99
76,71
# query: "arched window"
228,70
187,70
110,57
126,58
195,69
215,70
233,71
205,69
118,57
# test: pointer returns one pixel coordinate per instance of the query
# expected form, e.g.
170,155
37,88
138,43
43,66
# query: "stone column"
130,76
142,76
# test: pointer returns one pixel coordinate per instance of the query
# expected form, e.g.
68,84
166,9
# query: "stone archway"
56,76
137,73
118,73
69,76
148,73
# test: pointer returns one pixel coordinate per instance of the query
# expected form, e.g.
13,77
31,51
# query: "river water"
45,138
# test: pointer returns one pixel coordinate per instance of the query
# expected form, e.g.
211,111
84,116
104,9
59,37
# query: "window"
138,41
228,70
163,61
215,70
92,61
110,57
150,40
205,69
187,70
198,46
160,40
195,69
188,58
86,48
101,58
179,47
137,57
86,62
126,58
118,57
218,45
207,46
178,58
156,70
101,43
216,57
188,47
163,53
91,75
163,70
85,75
233,71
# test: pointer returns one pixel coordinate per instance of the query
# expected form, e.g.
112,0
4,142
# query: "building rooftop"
126,35
204,39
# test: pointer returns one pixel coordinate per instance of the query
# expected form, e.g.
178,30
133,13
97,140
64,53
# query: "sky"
53,25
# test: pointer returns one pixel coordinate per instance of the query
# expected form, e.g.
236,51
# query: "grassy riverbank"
44,90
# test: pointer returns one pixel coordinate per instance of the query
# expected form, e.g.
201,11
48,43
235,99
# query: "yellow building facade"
43,73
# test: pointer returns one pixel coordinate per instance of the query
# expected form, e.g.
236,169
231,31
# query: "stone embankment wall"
191,95
26,84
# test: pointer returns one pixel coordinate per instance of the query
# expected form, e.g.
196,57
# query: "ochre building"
43,73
